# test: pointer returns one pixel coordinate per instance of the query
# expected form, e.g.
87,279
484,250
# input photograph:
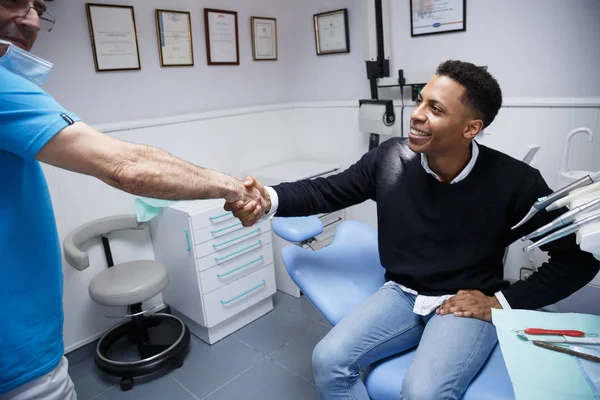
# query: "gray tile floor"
267,359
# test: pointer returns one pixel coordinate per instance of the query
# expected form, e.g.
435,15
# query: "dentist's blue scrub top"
31,335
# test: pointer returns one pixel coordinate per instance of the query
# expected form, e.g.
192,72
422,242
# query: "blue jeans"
451,349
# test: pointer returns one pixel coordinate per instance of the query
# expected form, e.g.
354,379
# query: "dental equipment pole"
377,57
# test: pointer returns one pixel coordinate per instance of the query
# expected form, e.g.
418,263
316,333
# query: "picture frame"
175,43
431,18
331,32
113,35
222,37
264,38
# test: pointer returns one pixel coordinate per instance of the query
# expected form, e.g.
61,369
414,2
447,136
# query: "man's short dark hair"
482,92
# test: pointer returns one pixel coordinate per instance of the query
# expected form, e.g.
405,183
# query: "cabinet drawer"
230,240
227,230
211,218
235,297
233,252
232,270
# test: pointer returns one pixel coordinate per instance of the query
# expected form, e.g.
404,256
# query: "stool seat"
129,283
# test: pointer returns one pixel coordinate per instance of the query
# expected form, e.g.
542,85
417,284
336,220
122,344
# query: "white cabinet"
291,171
221,274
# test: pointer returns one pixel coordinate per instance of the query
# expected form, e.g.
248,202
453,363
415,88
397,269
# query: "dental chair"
161,339
338,277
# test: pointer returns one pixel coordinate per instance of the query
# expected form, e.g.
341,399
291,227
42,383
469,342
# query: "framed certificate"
222,45
432,17
174,30
264,38
114,37
331,32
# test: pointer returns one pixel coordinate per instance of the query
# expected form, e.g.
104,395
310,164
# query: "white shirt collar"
464,173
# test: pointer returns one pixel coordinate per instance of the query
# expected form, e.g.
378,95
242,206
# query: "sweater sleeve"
568,268
322,195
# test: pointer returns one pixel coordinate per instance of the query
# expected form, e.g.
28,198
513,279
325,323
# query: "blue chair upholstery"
297,229
341,275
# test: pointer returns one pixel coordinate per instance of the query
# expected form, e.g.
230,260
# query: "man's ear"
473,128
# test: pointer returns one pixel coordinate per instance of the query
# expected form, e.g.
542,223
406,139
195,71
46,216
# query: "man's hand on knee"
470,304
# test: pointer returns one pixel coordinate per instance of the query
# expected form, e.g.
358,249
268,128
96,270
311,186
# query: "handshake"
251,203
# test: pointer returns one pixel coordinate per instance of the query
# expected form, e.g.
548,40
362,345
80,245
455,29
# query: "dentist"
34,128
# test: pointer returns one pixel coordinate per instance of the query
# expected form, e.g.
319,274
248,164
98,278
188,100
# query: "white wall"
314,102
535,48
156,92
327,77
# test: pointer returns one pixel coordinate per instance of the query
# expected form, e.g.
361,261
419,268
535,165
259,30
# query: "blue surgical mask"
25,64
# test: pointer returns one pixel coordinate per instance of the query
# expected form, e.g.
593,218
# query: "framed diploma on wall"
174,30
264,38
432,17
331,32
114,37
222,44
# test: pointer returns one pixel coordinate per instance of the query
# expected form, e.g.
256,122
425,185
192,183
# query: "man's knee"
330,355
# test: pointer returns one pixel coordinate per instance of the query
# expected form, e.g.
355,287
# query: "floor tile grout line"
293,339
183,386
289,370
101,393
280,347
228,382
250,347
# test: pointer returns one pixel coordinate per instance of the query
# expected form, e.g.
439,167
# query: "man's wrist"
268,201
230,188
495,303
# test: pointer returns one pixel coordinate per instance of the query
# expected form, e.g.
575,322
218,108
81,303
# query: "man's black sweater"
438,238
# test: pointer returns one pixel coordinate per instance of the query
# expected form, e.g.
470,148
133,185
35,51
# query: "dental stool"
161,339
338,277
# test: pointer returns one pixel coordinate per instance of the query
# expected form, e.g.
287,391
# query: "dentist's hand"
470,304
254,207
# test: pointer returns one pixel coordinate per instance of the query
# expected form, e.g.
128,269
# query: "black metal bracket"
107,251
390,115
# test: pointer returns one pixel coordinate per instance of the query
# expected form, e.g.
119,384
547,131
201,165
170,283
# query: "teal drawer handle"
220,216
187,239
240,267
237,238
227,227
225,302
217,259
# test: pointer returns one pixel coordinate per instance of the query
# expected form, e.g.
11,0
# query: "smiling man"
445,208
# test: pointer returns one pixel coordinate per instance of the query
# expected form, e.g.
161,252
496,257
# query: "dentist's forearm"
134,168
151,172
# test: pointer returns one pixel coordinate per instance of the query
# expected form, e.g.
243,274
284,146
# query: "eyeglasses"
22,8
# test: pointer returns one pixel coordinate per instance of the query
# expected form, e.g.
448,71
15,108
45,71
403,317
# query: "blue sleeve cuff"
48,133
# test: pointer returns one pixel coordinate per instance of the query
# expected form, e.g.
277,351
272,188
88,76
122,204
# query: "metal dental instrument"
573,195
564,219
567,230
551,198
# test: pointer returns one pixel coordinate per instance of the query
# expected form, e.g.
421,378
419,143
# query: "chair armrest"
297,229
79,259
75,257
